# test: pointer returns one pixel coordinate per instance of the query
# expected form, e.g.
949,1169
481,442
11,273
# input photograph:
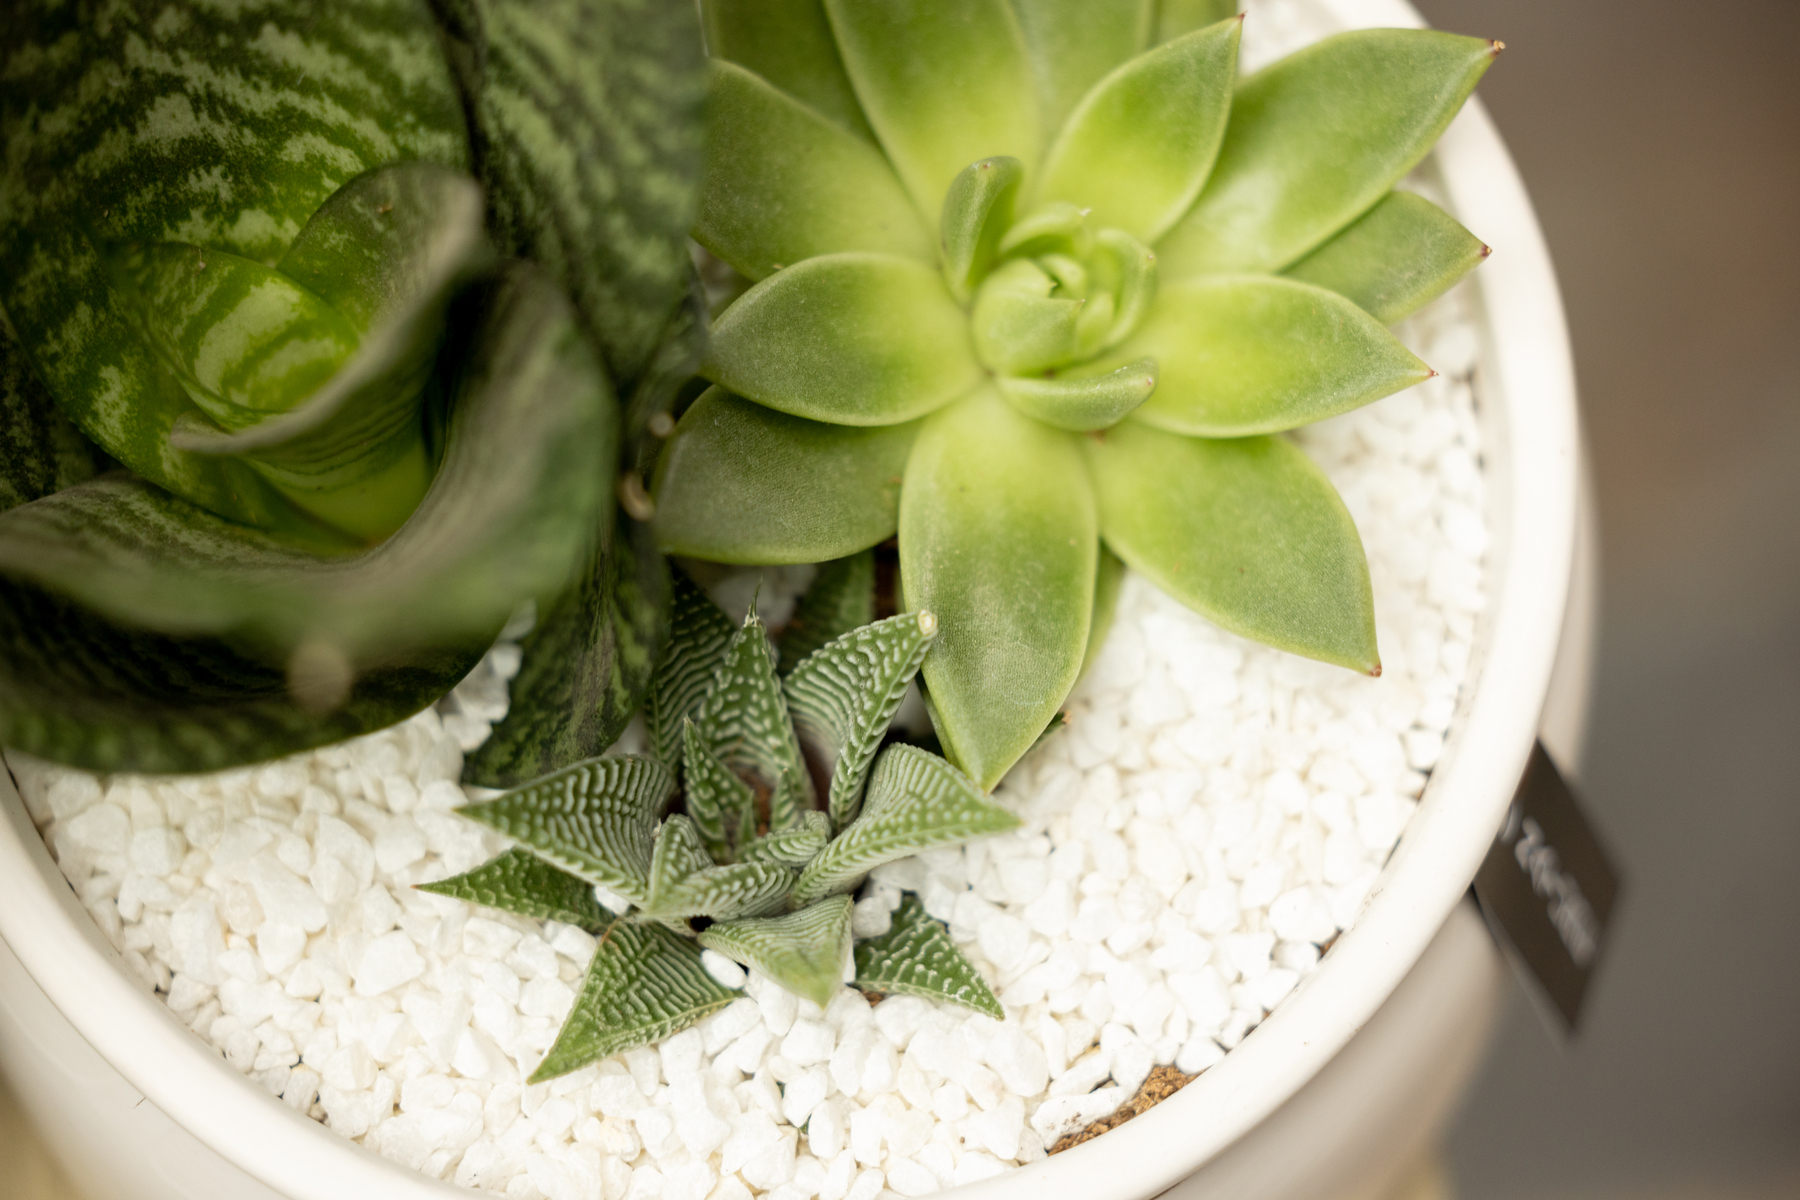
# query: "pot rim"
1532,444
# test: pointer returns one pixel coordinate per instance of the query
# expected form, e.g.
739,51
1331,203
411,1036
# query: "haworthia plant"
287,440
1132,269
748,866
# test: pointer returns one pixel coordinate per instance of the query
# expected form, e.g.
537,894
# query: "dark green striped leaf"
743,722
1246,531
840,598
41,451
722,806
1394,259
521,882
698,636
916,957
792,847
220,127
593,819
643,984
740,483
585,120
805,951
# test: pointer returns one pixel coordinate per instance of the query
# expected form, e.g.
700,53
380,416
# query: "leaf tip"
928,623
1495,46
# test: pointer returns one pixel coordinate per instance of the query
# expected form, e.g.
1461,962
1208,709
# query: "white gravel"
1215,813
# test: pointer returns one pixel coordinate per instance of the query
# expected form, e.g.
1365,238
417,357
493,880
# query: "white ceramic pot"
1306,1107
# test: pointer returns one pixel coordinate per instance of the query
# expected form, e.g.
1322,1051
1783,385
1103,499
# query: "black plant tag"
1547,888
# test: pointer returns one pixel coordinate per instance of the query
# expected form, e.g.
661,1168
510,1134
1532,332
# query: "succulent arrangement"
327,333
1036,283
758,862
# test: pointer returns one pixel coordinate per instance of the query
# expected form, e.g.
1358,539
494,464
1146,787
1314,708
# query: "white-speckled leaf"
802,951
698,635
916,802
518,881
685,883
594,819
916,957
845,693
743,720
722,806
792,847
643,984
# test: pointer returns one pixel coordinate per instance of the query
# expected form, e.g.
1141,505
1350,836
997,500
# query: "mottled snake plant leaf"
844,695
803,951
916,802
916,957
644,983
782,489
1317,139
1114,210
41,451
840,598
593,819
1252,536
1394,259
520,882
222,606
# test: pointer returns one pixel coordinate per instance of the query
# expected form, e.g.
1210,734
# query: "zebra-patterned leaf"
844,695
792,847
521,882
698,635
594,819
677,854
803,951
685,883
722,806
916,802
841,598
743,722
585,666
643,984
916,957
41,451
220,126
586,129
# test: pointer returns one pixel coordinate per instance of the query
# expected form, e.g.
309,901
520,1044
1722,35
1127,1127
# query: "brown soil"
1162,1083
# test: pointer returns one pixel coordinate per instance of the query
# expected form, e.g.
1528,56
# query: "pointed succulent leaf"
916,802
743,719
678,853
783,183
1140,145
1176,17
586,121
1073,43
1247,532
916,957
113,135
741,483
844,695
997,538
803,951
1394,259
1082,404
41,451
1317,139
698,635
378,262
1248,354
521,882
943,83
840,598
722,806
585,666
594,819
978,210
793,847
685,883
1109,579
788,43
853,339
643,984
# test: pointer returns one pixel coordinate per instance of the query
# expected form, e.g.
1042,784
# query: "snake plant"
1033,283
326,331
758,863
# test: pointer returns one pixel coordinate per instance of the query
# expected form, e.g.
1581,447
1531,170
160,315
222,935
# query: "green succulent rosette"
1034,283
327,329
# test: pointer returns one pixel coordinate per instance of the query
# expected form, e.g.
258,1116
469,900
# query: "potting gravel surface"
1215,812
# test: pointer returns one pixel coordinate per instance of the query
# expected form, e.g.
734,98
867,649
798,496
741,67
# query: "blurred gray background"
1661,144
